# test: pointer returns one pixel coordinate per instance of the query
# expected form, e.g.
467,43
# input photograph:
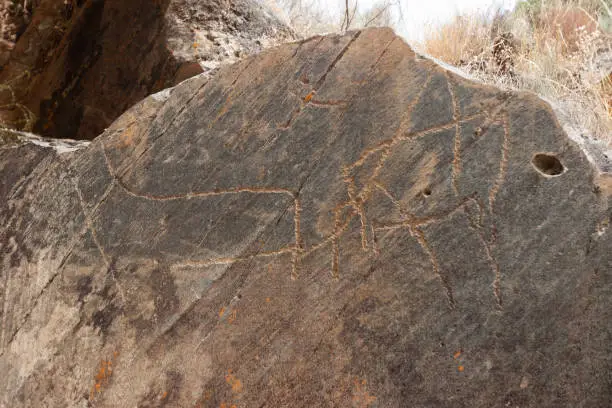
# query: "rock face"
80,64
336,222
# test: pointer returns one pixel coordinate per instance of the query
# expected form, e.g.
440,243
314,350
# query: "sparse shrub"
556,49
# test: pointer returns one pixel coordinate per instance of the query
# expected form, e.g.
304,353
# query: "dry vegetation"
311,17
561,50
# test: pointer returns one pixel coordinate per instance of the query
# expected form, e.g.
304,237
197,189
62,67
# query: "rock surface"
79,64
336,222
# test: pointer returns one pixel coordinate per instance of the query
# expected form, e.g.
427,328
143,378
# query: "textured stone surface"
331,223
81,63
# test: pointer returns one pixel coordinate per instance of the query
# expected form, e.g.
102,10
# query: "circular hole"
547,164
427,192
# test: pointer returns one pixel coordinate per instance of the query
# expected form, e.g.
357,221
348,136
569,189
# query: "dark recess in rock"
73,71
547,164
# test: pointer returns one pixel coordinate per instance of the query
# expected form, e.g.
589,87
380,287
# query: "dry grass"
459,41
560,51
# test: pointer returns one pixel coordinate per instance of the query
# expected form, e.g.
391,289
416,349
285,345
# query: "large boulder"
79,64
335,222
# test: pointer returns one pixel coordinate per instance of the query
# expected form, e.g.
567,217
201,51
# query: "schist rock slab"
335,222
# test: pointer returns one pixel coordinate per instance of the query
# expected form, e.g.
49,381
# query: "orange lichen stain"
164,395
457,354
235,383
226,405
361,397
195,45
221,312
233,316
309,97
268,300
105,371
460,368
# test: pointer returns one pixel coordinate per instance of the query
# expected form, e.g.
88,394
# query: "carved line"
230,260
456,169
488,250
420,236
299,245
505,150
357,204
389,142
335,268
415,223
7,283
94,234
356,201
85,228
204,194
296,249
89,224
328,103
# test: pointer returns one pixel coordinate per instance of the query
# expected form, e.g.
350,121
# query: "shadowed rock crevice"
70,75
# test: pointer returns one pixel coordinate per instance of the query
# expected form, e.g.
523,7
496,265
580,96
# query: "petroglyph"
369,165
503,164
457,144
358,197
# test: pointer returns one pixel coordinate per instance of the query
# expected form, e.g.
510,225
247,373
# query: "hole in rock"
427,192
547,164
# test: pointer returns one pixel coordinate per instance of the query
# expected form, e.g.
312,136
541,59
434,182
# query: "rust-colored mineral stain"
268,300
456,355
233,316
164,395
361,397
233,381
102,376
460,368
221,312
309,97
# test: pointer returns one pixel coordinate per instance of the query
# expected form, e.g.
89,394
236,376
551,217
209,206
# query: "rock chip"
335,222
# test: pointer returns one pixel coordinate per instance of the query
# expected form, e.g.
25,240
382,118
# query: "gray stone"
335,222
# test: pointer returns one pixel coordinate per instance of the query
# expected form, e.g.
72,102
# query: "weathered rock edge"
335,222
